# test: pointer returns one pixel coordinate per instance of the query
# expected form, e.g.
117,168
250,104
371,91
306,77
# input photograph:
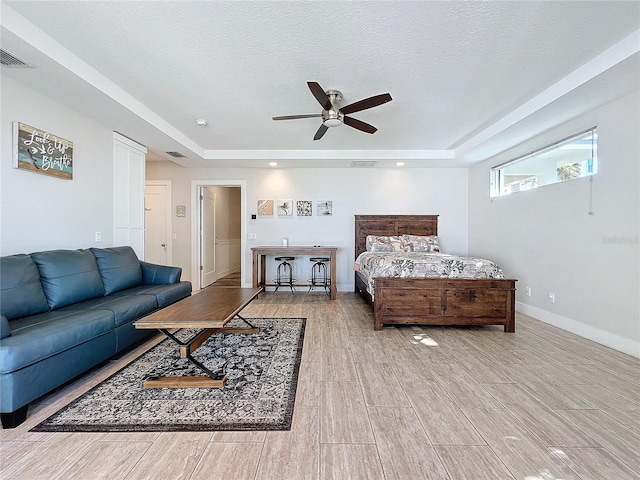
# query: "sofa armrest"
153,274
5,331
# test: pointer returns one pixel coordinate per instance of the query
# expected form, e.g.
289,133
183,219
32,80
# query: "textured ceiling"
463,75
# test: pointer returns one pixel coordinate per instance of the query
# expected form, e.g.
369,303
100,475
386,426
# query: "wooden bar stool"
319,276
284,274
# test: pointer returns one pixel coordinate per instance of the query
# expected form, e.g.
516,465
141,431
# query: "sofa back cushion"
119,268
21,292
5,331
68,276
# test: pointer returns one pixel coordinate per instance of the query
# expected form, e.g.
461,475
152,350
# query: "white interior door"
207,237
157,242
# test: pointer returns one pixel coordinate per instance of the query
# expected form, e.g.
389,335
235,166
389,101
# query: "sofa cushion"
153,274
165,294
119,268
125,308
21,292
5,331
68,276
41,336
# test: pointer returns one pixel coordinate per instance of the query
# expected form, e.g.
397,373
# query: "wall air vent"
363,163
8,60
176,154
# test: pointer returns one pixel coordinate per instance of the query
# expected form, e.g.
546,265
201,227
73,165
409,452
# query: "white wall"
228,205
548,241
228,230
353,191
39,212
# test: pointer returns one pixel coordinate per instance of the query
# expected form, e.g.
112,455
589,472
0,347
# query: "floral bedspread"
423,265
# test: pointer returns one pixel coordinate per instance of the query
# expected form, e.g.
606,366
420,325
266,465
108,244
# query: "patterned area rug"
262,375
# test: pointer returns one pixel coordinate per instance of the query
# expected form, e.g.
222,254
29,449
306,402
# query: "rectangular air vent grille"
363,163
176,154
8,60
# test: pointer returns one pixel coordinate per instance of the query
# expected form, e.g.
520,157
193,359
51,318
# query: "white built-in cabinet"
128,193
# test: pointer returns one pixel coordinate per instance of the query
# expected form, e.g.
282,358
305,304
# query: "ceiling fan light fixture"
332,118
332,122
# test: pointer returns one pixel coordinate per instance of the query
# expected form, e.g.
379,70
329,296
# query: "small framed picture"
285,208
325,208
265,208
304,208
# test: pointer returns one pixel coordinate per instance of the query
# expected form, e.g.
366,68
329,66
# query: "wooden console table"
259,262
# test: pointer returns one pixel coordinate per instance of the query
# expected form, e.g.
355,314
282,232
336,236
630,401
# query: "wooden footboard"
435,301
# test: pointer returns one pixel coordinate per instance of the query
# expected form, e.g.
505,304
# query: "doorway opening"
218,231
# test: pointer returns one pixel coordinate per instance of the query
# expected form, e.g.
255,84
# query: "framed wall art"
325,208
285,208
42,152
304,208
265,208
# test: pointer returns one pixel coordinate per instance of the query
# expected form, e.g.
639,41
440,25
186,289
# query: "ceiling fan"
333,115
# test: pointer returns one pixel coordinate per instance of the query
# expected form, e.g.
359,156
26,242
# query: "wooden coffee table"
210,309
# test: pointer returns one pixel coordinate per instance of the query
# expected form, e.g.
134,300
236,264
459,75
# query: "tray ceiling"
468,79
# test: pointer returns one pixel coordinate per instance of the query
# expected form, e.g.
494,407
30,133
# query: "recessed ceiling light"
201,122
273,164
400,164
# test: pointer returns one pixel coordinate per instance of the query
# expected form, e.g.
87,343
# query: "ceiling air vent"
176,154
363,163
8,60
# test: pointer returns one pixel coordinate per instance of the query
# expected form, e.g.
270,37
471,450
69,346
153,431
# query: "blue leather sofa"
65,311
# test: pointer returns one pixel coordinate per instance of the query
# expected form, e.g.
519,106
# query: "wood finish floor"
404,403
231,280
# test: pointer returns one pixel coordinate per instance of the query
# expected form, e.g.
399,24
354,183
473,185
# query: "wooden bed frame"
431,301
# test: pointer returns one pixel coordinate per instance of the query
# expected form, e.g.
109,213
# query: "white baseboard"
624,345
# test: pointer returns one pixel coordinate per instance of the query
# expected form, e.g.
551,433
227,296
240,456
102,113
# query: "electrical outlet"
552,297
527,291
98,237
251,236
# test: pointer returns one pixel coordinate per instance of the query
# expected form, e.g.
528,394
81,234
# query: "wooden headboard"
389,225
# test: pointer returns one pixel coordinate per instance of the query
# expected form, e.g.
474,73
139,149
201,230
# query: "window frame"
498,187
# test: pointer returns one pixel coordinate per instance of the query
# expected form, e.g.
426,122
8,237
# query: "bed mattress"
370,265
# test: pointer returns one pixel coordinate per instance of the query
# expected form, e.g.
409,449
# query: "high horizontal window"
567,159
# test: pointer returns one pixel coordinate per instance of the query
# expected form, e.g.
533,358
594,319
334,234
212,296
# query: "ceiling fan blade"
294,117
318,92
321,131
355,123
366,103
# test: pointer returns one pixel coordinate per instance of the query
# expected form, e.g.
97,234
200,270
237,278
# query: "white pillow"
421,243
377,243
